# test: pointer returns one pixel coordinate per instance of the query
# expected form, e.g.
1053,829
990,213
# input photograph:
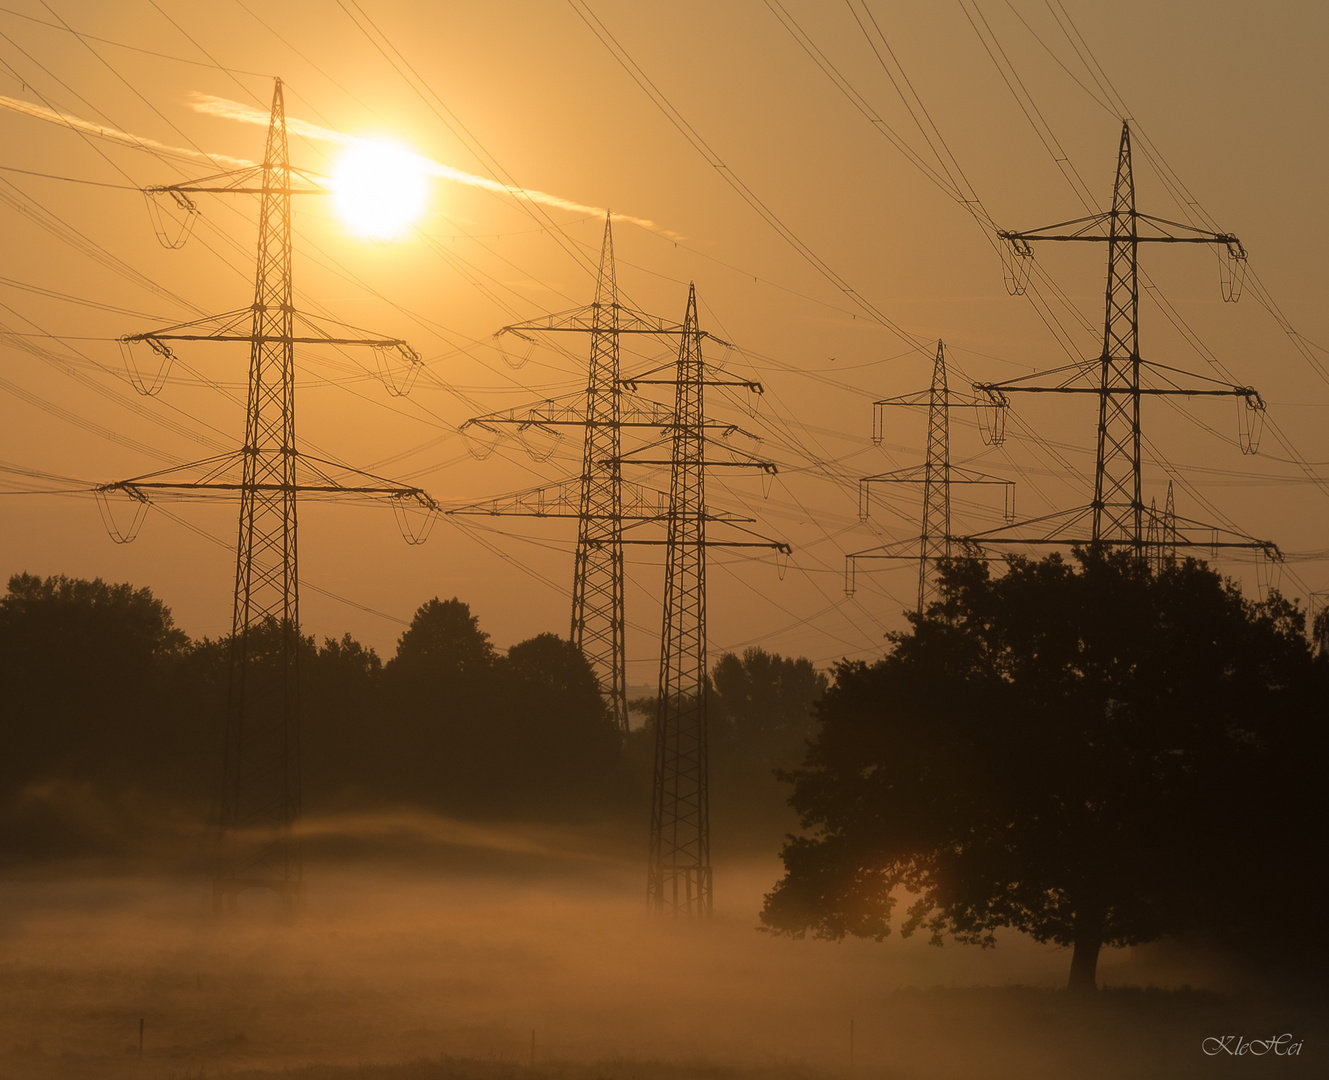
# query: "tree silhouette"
1060,750
471,731
760,711
761,707
561,748
84,668
439,711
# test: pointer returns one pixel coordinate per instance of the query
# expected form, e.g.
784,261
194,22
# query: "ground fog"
483,953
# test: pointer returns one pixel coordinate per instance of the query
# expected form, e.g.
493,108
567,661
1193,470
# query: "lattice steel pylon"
680,829
598,628
680,855
260,801
679,879
263,706
1117,512
936,476
598,624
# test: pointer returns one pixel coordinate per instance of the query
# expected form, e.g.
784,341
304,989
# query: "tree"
760,711
761,706
1057,750
560,750
439,709
444,643
83,665
340,720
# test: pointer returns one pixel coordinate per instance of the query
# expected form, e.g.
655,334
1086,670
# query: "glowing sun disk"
379,189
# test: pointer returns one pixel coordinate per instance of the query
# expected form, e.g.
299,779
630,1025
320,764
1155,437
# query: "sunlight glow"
379,189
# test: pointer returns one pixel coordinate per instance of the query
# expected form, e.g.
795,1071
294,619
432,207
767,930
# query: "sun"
379,189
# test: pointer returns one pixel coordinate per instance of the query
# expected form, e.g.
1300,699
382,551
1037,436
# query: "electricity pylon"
260,800
1117,513
679,880
598,625
1161,546
937,475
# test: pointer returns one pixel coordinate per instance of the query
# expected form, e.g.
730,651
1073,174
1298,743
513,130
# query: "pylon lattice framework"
260,800
598,625
1117,513
936,476
679,878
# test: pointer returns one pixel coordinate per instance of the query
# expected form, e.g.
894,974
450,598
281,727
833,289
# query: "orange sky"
1233,98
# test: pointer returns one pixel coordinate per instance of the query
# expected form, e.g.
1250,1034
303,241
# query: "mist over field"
458,941
474,845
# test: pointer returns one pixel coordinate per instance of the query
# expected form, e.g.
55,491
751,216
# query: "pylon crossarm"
882,553
957,476
562,500
747,384
912,474
718,517
1267,546
583,320
1070,371
1198,236
1092,370
220,182
556,412
184,488
772,545
961,475
357,335
1143,391
768,467
210,471
237,182
224,325
1067,519
727,430
1083,230
1219,539
237,326
923,398
211,466
319,465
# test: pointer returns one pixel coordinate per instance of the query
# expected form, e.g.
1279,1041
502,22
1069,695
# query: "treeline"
101,689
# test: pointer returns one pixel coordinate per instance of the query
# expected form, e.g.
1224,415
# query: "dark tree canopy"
72,650
444,642
561,740
516,734
104,697
1067,749
761,707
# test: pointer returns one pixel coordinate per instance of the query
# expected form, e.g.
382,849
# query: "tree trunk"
1084,958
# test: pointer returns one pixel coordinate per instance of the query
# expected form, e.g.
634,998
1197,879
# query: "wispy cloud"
102,131
248,114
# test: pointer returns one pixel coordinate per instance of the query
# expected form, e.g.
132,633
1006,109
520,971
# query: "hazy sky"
1233,99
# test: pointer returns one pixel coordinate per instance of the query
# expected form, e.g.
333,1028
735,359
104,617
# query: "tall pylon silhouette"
597,581
936,476
680,855
679,877
604,503
260,792
1117,514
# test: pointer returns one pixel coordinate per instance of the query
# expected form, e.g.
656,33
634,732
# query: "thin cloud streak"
248,114
102,131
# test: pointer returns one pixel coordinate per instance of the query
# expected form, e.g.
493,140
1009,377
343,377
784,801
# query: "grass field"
525,956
